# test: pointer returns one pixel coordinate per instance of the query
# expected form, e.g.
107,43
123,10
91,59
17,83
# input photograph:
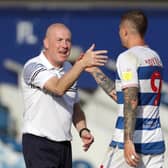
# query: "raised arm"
90,58
103,81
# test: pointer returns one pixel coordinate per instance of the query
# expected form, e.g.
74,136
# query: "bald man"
49,84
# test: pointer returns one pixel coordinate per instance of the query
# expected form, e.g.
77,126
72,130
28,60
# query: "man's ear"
45,42
125,32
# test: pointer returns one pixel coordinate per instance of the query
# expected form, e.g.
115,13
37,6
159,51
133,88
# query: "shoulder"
33,63
127,56
32,67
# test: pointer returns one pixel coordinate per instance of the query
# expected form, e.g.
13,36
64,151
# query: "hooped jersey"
141,67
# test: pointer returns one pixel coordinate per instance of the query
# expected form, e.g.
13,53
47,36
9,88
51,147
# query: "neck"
51,60
136,41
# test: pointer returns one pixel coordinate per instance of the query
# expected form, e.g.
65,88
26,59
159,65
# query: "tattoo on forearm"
130,107
103,81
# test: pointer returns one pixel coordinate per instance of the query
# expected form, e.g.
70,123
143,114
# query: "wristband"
83,129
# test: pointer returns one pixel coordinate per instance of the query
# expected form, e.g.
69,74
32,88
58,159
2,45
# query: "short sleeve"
36,74
127,65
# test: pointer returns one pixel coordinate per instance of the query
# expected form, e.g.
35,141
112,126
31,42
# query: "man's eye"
59,39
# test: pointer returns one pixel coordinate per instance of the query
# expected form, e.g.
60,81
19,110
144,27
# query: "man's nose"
65,44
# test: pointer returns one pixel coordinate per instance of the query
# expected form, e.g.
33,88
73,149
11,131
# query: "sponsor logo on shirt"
128,75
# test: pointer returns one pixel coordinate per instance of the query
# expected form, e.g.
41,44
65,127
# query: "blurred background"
22,28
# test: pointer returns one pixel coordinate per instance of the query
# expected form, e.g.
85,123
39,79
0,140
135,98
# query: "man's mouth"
63,52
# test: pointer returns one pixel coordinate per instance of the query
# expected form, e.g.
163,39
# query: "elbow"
59,93
55,89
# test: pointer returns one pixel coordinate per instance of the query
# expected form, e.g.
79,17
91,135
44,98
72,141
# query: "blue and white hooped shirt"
141,67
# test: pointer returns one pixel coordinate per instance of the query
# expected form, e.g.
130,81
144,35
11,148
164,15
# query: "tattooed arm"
103,81
130,108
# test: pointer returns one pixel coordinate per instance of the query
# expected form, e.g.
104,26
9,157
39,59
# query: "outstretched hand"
93,58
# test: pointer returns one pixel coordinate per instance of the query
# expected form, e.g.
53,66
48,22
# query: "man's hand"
93,58
131,157
87,139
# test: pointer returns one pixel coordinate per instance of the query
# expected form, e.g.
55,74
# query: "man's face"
58,45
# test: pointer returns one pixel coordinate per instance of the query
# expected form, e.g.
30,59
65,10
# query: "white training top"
46,114
141,67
